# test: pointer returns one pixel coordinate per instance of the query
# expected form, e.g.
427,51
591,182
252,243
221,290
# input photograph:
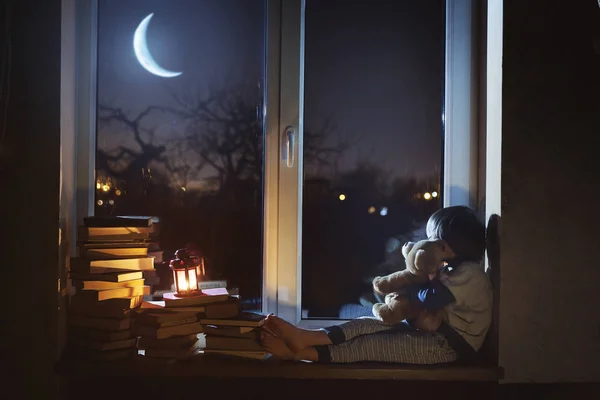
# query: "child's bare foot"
295,338
276,346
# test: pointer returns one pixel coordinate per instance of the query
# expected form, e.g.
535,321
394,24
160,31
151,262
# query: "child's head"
460,228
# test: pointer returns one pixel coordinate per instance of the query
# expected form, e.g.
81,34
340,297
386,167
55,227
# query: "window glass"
179,135
373,135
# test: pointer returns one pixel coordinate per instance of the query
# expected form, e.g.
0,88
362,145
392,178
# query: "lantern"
187,272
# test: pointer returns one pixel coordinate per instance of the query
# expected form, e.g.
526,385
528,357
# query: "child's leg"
295,338
399,347
358,327
298,339
277,347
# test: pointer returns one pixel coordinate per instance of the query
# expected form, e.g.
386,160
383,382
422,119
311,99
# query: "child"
457,311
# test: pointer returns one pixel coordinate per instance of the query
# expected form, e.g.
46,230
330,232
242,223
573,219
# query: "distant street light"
434,194
342,197
383,212
371,210
427,196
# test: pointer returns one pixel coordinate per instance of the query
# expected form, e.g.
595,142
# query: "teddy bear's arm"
383,284
396,309
396,281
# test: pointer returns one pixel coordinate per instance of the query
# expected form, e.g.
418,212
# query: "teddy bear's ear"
407,248
420,258
427,261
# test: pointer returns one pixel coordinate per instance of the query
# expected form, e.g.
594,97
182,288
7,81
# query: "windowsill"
223,367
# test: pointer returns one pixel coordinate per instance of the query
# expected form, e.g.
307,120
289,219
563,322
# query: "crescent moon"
142,53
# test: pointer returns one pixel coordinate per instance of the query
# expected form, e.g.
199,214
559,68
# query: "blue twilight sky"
375,67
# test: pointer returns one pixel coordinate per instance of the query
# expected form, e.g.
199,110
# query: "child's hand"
428,321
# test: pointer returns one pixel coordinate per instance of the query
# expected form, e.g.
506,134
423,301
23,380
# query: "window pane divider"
87,67
271,157
460,106
289,273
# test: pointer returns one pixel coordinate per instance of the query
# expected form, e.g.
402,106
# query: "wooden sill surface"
230,367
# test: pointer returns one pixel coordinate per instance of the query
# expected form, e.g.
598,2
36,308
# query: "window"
271,182
373,100
179,129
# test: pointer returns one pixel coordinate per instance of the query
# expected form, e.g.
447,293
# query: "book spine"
212,285
102,285
119,293
178,330
181,322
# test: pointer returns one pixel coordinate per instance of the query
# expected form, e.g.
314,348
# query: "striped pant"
369,339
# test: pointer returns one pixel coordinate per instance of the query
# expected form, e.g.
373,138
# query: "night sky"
376,68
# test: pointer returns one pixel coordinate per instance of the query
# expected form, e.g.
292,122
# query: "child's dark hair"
461,229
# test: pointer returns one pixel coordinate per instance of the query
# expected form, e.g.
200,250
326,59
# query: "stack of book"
178,327
169,328
107,283
237,336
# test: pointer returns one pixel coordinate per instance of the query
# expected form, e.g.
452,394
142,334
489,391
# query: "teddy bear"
422,259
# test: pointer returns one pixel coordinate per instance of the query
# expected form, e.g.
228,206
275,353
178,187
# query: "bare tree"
178,163
124,162
324,147
225,130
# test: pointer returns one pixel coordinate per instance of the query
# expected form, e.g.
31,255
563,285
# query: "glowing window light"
99,202
98,185
105,188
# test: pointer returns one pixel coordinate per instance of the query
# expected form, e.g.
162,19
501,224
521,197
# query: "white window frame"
461,141
461,116
86,89
78,112
284,82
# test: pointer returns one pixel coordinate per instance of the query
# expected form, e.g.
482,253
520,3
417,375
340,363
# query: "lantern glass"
187,272
181,282
193,278
186,279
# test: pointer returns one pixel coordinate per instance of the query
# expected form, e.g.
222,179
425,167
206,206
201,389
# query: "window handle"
289,142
